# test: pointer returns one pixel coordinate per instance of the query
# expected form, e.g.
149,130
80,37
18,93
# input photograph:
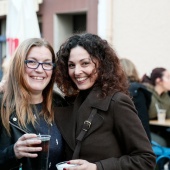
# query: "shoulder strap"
85,128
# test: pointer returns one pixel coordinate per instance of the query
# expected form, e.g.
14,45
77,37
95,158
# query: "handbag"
84,130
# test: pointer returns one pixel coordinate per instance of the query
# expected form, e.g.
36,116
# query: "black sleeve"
141,107
141,98
58,100
7,155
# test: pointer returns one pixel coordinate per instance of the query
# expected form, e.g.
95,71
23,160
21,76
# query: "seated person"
158,83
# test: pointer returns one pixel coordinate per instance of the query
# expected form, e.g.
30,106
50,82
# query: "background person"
89,68
141,98
27,107
140,95
158,84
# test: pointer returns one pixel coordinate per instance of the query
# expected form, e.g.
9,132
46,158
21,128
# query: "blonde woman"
27,107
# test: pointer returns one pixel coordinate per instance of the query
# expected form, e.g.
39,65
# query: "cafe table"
156,123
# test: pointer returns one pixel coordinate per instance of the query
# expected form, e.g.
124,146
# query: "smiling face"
38,79
81,68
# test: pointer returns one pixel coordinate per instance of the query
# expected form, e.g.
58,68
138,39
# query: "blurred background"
137,29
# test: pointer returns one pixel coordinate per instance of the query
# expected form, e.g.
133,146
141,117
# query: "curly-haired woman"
102,129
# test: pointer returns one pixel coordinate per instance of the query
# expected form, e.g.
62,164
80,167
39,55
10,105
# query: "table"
155,122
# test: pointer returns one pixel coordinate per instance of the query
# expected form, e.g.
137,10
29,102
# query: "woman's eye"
85,63
32,62
70,65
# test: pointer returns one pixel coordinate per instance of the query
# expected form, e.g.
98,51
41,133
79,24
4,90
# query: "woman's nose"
77,70
39,68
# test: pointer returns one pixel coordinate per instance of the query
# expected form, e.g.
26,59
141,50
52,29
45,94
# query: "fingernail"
68,162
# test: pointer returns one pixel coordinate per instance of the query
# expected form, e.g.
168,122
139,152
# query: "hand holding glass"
41,162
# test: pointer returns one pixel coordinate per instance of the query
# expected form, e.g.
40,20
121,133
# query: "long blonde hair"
17,94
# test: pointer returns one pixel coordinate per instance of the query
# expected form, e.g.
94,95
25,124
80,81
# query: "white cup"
62,165
161,115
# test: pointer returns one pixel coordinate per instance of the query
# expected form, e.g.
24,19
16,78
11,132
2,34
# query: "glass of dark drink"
41,162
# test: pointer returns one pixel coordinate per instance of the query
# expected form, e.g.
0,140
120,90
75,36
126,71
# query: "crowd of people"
150,94
94,124
148,91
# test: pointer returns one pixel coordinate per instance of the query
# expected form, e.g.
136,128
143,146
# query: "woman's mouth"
37,78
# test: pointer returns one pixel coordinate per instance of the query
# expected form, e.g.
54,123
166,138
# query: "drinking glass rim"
44,136
61,163
65,162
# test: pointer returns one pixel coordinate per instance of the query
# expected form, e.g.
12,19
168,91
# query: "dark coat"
116,139
7,156
142,99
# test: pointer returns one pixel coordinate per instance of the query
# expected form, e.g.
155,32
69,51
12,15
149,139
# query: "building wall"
137,29
51,14
105,20
141,32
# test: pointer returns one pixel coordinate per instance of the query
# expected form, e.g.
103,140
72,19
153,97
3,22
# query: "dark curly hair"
111,77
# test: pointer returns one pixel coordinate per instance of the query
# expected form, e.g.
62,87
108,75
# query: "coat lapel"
14,122
97,102
70,119
95,124
65,121
92,101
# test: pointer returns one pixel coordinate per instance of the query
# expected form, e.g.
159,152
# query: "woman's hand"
82,165
24,147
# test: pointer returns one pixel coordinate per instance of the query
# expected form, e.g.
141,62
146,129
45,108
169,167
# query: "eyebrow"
45,60
82,59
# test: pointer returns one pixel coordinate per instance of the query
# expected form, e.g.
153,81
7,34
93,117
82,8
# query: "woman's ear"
158,80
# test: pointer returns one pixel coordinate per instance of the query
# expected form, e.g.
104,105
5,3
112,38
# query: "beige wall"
138,30
105,20
3,7
141,32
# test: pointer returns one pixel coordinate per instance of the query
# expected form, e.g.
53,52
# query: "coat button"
15,119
